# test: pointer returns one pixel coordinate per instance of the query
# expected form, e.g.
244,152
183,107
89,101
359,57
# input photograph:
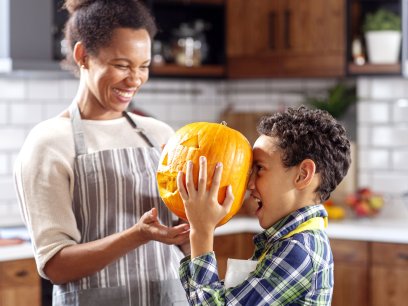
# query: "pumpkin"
218,143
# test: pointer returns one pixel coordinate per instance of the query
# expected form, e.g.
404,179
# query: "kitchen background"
381,112
25,101
211,65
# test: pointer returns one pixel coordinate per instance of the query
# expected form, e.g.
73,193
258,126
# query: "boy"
300,157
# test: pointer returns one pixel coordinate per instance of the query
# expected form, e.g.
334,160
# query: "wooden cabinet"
365,273
389,274
285,38
351,270
252,39
19,283
237,246
369,273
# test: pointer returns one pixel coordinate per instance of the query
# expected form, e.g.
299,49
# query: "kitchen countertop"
15,243
389,226
16,252
392,231
367,229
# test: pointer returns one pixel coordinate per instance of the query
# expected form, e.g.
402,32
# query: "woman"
86,179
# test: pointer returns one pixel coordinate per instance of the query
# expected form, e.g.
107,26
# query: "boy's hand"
202,208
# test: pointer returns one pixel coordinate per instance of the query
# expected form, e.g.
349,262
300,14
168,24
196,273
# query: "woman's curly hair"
93,22
311,134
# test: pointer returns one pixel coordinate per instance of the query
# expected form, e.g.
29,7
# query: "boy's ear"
306,173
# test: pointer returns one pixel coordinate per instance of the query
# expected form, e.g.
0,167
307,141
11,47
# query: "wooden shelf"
373,69
200,71
187,2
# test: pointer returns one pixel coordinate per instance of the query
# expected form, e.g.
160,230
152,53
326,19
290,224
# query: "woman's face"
116,73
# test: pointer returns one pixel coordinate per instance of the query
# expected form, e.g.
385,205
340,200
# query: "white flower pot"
383,47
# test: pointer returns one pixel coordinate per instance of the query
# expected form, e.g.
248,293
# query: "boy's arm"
202,208
199,278
203,213
185,247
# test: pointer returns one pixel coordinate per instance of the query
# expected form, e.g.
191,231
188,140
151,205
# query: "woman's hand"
79,260
151,229
202,208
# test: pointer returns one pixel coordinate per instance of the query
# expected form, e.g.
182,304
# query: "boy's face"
271,184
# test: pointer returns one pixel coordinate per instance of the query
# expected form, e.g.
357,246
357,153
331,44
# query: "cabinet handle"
21,273
272,30
286,29
403,256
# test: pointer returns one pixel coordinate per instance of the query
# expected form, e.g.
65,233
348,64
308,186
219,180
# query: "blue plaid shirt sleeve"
199,278
286,276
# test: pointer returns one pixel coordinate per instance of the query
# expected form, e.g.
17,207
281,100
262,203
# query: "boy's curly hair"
311,134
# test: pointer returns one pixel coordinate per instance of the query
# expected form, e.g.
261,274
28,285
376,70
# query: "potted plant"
336,101
383,36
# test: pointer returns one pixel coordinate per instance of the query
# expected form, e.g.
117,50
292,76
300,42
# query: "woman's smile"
124,95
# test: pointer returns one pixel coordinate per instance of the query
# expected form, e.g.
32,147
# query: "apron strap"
140,131
315,223
79,137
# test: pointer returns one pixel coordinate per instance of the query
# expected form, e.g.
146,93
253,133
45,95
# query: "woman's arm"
76,261
44,178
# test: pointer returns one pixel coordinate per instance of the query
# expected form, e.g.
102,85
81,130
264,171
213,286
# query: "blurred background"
237,60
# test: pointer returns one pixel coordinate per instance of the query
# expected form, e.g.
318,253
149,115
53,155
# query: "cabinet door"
350,273
285,38
254,38
389,274
314,37
19,283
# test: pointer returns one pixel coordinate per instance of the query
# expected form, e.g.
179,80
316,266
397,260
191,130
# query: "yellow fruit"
335,212
376,202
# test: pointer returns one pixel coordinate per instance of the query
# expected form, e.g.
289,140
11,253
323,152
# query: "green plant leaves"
338,100
382,20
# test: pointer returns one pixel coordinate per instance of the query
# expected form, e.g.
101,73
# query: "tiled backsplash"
27,100
382,117
382,134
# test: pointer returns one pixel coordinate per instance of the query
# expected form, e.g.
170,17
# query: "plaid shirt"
295,271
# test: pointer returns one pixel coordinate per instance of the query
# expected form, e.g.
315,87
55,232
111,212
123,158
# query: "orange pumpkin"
218,143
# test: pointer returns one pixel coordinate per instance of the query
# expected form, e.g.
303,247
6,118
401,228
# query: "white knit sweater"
44,174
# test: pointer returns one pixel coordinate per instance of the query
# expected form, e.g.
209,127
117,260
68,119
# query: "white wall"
27,100
382,134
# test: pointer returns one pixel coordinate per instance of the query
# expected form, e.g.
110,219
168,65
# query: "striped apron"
112,190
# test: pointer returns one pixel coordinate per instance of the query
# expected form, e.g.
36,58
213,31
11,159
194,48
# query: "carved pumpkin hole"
191,142
167,183
165,159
